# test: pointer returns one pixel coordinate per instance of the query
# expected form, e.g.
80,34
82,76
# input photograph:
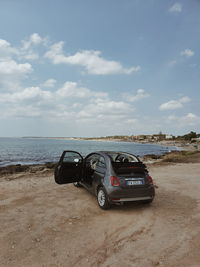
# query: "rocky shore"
170,157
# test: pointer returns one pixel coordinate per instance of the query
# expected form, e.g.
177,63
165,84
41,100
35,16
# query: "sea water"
42,150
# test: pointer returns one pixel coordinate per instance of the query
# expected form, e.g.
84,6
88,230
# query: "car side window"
91,161
101,162
101,165
71,157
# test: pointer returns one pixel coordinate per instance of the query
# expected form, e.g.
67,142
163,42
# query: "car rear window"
122,157
129,167
124,163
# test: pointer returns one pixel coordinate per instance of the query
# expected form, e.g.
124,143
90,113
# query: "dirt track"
44,224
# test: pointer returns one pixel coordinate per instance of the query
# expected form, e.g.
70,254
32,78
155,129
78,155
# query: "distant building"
169,136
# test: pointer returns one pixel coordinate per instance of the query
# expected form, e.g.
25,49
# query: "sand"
45,224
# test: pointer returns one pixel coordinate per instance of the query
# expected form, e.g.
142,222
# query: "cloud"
187,53
189,119
131,121
176,8
33,40
106,111
50,83
29,45
25,51
6,50
91,60
30,93
71,89
11,67
71,102
174,104
139,95
12,73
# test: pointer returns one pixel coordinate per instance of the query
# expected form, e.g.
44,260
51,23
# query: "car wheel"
103,199
77,184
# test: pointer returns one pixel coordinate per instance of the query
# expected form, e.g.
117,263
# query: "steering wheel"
119,158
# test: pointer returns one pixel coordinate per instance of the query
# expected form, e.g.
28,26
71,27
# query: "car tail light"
150,179
114,181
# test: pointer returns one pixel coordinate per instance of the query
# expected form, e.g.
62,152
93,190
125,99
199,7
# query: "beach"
45,224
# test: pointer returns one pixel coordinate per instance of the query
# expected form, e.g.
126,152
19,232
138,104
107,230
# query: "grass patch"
182,157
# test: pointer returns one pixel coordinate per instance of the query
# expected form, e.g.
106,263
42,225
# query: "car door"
69,168
99,174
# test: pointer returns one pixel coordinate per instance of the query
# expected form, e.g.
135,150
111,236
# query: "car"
113,177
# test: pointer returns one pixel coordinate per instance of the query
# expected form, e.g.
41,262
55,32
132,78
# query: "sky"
96,68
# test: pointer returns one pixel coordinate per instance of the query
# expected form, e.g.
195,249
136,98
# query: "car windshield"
122,157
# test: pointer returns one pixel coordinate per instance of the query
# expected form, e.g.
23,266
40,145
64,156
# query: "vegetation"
182,157
150,138
189,136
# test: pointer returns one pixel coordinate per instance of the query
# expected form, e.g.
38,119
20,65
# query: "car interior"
124,163
90,167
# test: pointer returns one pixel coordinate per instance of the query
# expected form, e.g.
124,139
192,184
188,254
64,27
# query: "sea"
27,151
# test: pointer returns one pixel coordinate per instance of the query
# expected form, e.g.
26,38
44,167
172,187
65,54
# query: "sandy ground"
44,224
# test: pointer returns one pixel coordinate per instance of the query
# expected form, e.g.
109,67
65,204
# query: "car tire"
102,199
77,184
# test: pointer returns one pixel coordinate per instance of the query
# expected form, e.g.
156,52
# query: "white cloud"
30,55
29,45
174,104
71,102
189,119
184,99
12,73
4,44
131,121
91,60
30,93
176,8
33,40
106,111
88,106
13,68
139,95
6,50
71,89
50,83
187,53
25,51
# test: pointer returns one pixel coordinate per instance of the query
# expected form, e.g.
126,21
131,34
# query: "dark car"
113,177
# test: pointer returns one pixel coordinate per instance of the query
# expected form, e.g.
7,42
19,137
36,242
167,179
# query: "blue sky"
96,68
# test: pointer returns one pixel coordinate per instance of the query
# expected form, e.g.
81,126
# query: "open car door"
69,168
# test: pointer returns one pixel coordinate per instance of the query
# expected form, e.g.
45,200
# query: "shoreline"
171,147
173,157
183,145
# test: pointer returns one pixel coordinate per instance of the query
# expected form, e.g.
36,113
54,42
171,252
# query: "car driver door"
69,168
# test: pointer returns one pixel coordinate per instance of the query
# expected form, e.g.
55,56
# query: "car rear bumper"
135,194
132,199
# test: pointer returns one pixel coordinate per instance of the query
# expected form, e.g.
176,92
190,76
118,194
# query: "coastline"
173,157
182,145
168,145
179,144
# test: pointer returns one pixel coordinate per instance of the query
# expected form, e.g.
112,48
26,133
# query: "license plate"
136,182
